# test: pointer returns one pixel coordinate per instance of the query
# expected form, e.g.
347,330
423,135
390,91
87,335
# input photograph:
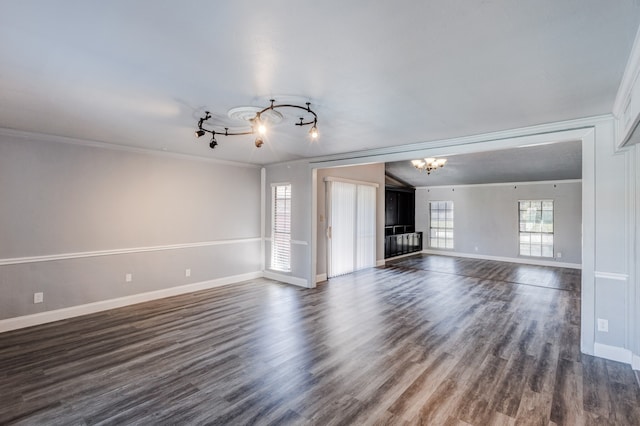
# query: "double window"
281,227
536,228
441,224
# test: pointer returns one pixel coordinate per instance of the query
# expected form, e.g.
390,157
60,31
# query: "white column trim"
611,276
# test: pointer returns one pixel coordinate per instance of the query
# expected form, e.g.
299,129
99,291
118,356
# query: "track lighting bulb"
199,133
314,132
259,125
213,143
259,142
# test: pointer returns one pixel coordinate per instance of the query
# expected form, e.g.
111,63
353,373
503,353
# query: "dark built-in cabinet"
400,236
399,207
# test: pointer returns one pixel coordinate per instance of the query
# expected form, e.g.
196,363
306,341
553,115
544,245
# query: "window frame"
280,235
447,230
544,238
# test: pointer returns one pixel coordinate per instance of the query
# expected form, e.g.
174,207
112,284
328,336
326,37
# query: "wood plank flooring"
426,340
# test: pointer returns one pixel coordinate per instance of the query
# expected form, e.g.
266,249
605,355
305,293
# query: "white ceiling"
378,73
557,161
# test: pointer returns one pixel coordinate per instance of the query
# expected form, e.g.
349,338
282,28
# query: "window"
441,225
536,228
281,227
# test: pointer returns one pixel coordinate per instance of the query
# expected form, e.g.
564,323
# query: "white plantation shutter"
281,228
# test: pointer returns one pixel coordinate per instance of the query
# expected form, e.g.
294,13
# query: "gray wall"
298,174
373,173
60,198
486,217
612,270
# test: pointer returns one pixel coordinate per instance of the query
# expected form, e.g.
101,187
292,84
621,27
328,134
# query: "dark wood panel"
399,207
426,340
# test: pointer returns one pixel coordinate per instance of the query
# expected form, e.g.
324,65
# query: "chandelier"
258,125
429,164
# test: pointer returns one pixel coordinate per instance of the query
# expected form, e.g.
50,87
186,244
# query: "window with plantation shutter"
281,227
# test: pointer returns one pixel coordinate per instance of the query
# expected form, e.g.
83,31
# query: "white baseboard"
613,353
301,282
524,260
321,277
635,362
400,256
103,305
381,262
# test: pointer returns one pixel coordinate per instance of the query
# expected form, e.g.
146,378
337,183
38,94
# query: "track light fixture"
429,164
258,125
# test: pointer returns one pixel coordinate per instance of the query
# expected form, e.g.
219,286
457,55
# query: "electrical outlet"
603,325
559,255
476,248
128,278
187,272
38,297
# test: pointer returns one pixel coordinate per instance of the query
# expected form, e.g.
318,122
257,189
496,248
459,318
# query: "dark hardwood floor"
426,340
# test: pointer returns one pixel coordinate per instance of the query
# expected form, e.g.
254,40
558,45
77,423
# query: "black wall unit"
399,207
395,245
399,231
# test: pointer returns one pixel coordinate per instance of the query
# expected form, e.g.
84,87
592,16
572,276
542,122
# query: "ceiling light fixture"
258,125
429,164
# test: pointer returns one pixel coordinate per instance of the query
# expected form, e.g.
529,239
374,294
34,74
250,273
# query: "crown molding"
540,182
631,71
43,137
562,131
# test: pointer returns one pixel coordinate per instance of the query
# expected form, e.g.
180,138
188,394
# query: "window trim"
445,229
541,233
273,265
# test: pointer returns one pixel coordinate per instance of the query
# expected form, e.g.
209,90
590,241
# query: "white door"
351,232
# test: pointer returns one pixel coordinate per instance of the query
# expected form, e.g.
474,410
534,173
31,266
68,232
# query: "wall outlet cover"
128,278
603,325
38,297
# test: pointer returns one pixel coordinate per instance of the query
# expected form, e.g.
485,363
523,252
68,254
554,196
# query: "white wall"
74,219
486,217
373,173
